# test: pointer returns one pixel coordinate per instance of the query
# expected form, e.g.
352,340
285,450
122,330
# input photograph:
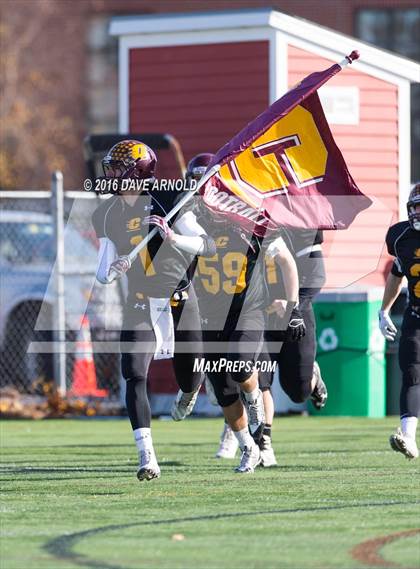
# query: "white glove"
386,325
121,265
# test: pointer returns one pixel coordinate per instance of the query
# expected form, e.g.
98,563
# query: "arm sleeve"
106,256
311,269
192,238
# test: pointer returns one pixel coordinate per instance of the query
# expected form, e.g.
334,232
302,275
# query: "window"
397,30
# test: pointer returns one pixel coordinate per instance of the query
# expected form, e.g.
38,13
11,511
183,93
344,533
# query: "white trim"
278,66
309,249
370,55
404,148
123,86
334,55
282,62
212,23
188,21
228,35
273,68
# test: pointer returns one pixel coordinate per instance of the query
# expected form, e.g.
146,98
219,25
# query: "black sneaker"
319,395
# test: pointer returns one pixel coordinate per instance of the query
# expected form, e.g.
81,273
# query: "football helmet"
197,166
130,159
413,201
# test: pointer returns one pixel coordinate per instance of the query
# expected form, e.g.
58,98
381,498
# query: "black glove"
296,328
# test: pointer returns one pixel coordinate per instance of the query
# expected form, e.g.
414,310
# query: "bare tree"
36,136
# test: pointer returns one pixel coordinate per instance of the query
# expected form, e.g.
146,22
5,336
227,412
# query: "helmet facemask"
413,208
196,174
197,167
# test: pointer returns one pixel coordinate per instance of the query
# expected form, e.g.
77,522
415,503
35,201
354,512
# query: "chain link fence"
28,317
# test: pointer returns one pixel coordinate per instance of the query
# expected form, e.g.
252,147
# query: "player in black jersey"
299,373
159,289
403,243
293,351
232,296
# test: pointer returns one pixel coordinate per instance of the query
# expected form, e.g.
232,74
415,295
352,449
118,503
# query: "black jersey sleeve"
393,234
319,237
390,241
98,221
396,269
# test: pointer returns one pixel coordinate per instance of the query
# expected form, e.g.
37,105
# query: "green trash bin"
351,351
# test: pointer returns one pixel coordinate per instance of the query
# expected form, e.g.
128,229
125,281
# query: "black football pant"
295,360
138,344
409,360
239,345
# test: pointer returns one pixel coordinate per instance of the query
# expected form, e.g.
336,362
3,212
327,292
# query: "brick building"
59,70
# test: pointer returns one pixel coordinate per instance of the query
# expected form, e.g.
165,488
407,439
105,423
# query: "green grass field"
71,498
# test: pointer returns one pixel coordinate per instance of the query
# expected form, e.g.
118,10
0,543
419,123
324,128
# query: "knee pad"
134,382
265,380
225,390
298,392
227,400
241,376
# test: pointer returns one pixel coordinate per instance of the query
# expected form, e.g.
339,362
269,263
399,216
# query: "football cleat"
228,444
319,395
148,467
268,457
403,444
256,416
250,459
184,404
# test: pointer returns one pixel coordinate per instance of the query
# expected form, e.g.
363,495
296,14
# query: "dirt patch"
368,552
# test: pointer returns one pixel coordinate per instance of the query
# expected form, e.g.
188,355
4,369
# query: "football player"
232,296
299,373
197,167
403,243
159,288
294,352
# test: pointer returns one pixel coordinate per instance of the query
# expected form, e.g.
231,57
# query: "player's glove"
120,265
161,223
386,325
296,328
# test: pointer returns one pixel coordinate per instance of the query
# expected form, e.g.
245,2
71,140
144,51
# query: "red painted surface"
202,94
371,153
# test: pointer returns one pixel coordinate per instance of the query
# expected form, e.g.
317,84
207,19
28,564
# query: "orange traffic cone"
84,374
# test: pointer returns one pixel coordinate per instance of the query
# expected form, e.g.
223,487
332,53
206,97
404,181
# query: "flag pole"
349,58
133,254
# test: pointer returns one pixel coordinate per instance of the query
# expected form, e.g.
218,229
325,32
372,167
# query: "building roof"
292,28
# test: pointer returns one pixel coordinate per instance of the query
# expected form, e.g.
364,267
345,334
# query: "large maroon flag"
284,167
